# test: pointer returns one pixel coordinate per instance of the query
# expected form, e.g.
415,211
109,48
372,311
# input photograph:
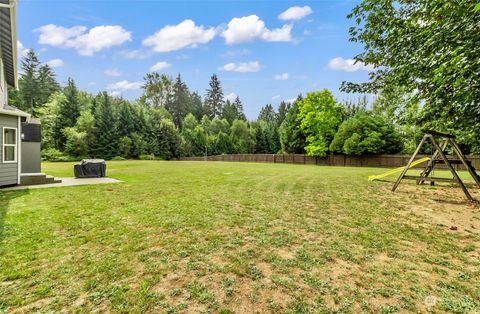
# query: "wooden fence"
383,161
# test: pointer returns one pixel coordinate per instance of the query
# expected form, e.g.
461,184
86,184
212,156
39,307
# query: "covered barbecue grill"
91,168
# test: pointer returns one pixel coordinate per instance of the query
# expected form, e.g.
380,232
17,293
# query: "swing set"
441,142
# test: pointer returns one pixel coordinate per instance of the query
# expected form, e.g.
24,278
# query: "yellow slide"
383,175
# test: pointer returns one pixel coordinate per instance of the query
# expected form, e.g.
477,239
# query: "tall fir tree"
214,101
68,113
178,106
196,105
229,111
36,84
283,109
28,82
292,139
106,128
125,119
47,84
268,114
239,106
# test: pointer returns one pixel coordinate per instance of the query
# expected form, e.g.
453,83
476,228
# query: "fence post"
274,159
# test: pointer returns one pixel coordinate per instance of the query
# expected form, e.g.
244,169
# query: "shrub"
365,134
147,157
55,155
118,158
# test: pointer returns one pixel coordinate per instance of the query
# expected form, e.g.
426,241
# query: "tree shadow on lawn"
5,198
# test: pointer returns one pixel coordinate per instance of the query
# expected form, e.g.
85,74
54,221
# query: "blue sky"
263,51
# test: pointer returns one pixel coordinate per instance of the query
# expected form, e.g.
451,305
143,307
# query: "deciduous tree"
320,115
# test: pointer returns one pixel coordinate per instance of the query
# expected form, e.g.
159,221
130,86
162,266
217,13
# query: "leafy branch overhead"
428,48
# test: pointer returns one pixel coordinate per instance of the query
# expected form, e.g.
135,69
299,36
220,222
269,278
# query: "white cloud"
251,28
231,97
92,83
276,97
291,100
347,65
295,13
281,77
58,36
100,38
159,66
115,93
112,72
242,67
124,85
176,37
21,50
55,63
85,43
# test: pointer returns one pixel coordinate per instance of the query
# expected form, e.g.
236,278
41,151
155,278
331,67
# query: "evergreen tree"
214,99
36,84
196,105
28,81
283,109
230,112
239,106
125,119
268,114
47,84
178,106
261,141
292,139
68,113
166,139
106,128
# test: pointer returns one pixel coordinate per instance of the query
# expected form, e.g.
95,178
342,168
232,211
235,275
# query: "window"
9,145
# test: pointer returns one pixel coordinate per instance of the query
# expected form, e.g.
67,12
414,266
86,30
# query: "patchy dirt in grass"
442,206
34,306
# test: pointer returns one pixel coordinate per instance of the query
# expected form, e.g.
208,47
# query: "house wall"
8,171
31,159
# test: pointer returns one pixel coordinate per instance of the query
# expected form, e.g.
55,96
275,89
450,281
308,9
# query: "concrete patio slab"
65,182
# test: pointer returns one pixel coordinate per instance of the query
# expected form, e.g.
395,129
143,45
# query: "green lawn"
238,238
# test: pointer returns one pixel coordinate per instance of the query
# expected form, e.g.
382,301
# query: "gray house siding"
31,157
8,171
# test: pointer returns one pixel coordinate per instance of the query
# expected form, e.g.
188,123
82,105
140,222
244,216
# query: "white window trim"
9,145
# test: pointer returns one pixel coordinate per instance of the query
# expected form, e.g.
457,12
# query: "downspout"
19,150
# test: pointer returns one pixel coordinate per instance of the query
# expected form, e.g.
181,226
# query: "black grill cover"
91,168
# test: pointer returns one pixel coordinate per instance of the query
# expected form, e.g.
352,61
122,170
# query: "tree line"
415,86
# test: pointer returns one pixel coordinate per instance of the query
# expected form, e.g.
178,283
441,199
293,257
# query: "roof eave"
17,113
8,8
